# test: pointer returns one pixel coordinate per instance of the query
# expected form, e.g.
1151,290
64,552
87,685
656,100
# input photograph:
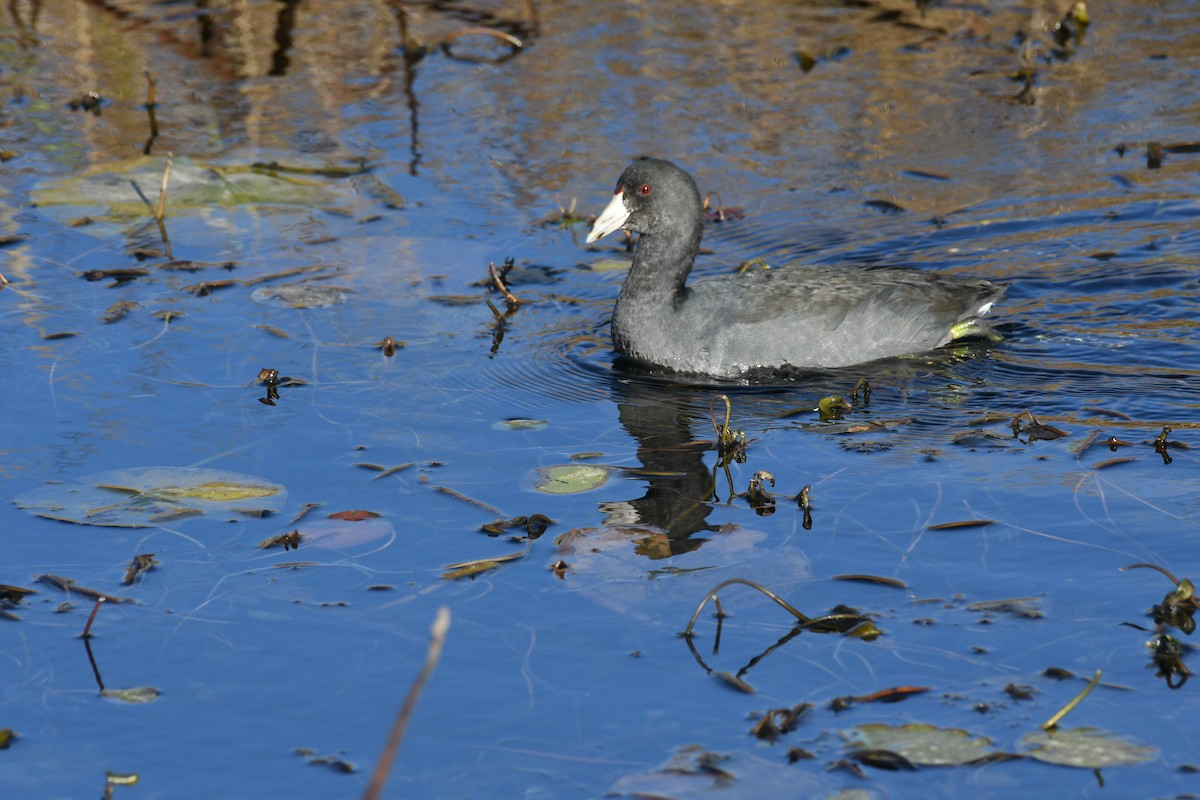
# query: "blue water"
574,684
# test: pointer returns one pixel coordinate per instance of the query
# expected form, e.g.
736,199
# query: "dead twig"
1052,723
497,276
87,629
712,595
162,192
441,624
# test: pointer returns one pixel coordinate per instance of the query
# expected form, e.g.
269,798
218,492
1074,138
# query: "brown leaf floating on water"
892,695
735,682
466,569
288,541
446,490
287,273
117,311
183,265
139,564
205,288
1112,462
394,470
1035,430
899,584
965,523
14,594
69,585
886,206
779,721
1025,607
304,510
355,515
122,274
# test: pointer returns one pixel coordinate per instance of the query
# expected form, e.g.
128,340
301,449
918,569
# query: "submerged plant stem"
87,629
723,429
446,490
441,624
1052,723
712,595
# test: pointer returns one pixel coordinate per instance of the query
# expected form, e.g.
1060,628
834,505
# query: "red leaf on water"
353,516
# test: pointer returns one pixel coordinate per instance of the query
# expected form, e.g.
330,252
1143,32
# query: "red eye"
644,190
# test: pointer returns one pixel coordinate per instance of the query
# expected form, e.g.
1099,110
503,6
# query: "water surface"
574,683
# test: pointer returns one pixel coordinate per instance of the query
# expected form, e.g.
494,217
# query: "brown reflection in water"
908,90
267,76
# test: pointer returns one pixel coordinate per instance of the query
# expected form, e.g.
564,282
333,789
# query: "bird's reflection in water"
679,486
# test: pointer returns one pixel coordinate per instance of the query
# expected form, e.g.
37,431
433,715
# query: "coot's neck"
661,265
644,321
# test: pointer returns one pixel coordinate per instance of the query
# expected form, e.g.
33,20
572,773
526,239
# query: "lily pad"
1020,607
143,497
333,533
519,424
571,478
923,744
693,773
135,696
1090,748
298,295
124,188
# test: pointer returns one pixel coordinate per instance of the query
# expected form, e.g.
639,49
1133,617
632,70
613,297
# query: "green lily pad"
214,491
1020,607
135,696
571,478
124,187
298,295
147,496
343,534
697,773
1090,748
922,744
520,424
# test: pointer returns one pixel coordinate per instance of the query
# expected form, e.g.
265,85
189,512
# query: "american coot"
765,321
